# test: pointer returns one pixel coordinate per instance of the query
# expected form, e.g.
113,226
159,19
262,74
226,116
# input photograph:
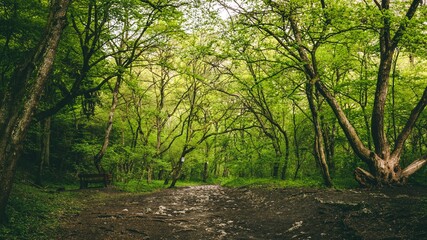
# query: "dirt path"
214,212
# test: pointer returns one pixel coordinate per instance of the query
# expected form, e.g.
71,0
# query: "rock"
295,226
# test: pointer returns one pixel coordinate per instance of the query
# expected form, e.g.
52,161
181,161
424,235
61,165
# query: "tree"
281,24
127,48
22,96
384,160
257,94
303,31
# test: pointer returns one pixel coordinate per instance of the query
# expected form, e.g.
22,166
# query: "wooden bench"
85,179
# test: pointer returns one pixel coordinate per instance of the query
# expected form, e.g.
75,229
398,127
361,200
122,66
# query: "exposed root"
364,178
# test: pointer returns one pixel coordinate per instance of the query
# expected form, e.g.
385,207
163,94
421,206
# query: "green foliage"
136,186
269,183
141,186
197,73
36,213
345,182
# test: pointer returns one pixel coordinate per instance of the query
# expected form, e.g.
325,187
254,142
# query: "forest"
204,94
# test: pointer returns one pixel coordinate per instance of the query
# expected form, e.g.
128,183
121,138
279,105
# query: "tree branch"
406,131
351,134
414,166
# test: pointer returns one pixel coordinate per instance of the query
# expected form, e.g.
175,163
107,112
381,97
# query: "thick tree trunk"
22,98
384,162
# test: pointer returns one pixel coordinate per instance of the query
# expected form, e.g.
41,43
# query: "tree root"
364,178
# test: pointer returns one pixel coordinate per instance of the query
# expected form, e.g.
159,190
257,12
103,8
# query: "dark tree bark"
285,164
176,172
44,149
22,97
189,132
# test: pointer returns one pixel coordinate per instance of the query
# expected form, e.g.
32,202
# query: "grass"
339,183
35,213
268,182
135,186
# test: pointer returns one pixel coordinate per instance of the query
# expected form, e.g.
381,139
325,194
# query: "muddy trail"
214,212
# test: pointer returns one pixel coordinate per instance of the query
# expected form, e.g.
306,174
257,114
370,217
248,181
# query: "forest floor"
215,212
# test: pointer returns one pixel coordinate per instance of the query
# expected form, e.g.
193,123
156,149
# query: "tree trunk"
275,169
286,162
329,142
312,77
45,149
384,163
22,97
98,157
205,171
296,143
149,169
176,173
319,148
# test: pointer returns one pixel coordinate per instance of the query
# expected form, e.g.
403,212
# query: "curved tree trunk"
22,97
176,172
98,157
384,162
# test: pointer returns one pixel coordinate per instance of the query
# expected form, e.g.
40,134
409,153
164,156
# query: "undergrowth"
276,183
35,213
135,186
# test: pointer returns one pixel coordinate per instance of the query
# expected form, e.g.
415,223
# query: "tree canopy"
198,90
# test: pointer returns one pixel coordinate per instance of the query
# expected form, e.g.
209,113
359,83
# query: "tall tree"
283,27
301,30
131,43
22,96
384,160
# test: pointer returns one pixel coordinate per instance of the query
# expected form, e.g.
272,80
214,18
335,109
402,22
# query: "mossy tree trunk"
22,96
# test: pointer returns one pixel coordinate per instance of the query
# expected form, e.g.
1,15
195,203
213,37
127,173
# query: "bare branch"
350,132
378,4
